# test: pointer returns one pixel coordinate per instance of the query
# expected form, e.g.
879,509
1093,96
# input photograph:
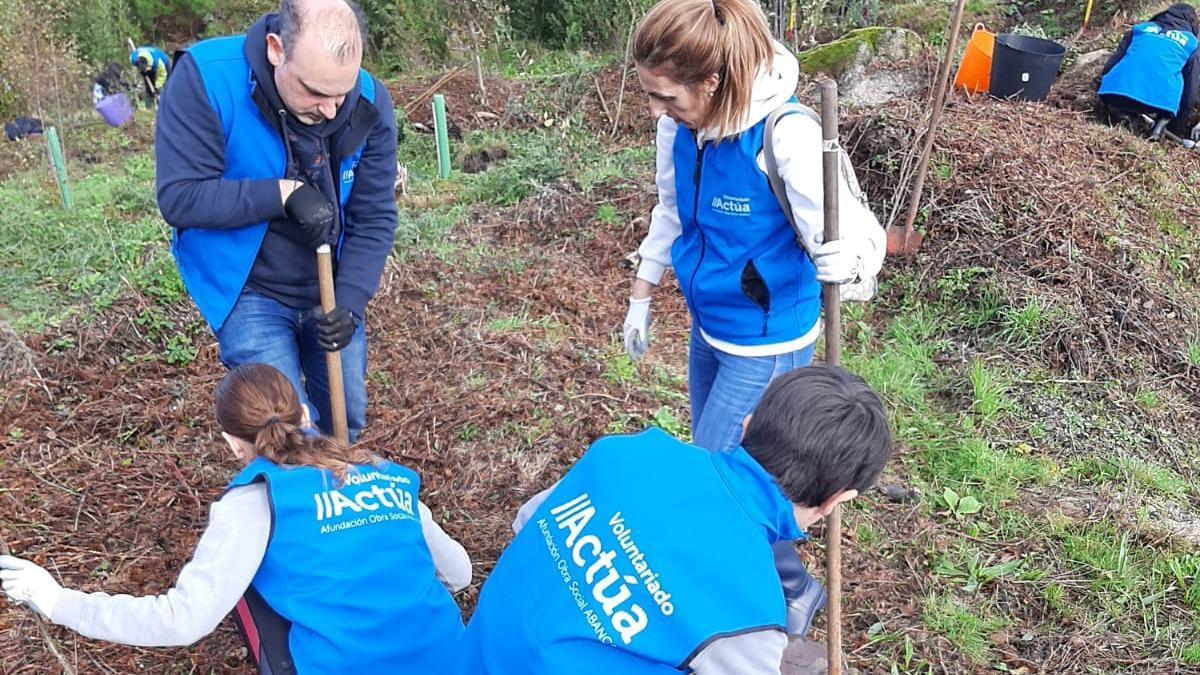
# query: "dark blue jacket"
646,551
221,150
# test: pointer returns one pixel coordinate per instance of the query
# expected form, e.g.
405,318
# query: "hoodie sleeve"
664,219
1118,54
798,148
370,213
225,561
189,149
1181,125
450,560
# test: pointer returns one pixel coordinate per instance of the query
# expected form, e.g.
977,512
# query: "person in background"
268,145
655,556
1154,72
333,543
713,76
154,66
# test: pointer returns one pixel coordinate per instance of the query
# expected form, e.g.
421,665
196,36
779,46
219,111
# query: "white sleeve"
664,219
757,653
225,561
450,559
798,153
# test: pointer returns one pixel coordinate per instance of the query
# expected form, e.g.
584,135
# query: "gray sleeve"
226,559
757,653
450,559
526,511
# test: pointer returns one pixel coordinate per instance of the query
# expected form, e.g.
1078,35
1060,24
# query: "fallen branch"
424,96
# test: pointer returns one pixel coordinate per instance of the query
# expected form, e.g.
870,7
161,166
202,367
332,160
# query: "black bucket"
1024,67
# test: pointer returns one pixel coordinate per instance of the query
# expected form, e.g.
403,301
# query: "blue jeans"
264,330
724,389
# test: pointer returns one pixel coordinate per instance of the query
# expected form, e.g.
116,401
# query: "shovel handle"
831,294
333,360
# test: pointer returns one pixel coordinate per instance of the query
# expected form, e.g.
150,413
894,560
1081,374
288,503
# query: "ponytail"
689,40
257,404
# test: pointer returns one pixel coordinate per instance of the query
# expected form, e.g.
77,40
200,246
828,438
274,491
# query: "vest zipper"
287,145
696,175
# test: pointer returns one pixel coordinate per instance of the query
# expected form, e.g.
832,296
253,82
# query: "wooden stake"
333,360
832,298
906,241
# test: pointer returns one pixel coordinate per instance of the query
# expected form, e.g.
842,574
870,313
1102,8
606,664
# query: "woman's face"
686,105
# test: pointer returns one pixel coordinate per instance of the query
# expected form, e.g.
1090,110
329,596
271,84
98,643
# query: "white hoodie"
798,148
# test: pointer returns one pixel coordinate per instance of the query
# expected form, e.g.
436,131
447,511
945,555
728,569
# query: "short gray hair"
341,38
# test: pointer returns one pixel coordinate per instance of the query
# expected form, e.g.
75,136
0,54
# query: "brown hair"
257,404
692,39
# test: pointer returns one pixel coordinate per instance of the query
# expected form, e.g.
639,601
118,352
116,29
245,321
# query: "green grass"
1128,470
967,627
60,263
995,451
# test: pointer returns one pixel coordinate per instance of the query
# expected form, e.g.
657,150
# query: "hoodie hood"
264,79
1176,17
772,88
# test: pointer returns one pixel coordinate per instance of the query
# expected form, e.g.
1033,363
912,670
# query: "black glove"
311,215
335,329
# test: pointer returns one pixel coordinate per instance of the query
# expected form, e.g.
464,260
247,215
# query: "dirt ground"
490,372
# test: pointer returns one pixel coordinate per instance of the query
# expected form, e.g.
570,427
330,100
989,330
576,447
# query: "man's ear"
843,496
275,49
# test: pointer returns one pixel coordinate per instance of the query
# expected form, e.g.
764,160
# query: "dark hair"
819,430
1170,17
689,40
293,21
257,404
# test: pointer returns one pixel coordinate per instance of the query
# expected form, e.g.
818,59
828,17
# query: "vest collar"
758,493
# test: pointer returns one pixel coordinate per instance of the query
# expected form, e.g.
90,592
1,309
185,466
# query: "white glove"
837,262
1196,133
637,328
26,583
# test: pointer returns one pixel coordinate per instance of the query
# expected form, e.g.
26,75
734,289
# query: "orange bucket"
975,71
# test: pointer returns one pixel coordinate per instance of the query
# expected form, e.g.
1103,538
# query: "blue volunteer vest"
745,278
158,58
646,551
349,567
215,263
1151,72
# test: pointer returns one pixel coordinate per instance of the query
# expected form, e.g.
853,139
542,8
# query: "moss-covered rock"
859,47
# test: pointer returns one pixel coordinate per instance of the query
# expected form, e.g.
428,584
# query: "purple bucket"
115,109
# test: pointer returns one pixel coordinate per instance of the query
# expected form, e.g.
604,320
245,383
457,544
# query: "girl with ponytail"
342,569
713,76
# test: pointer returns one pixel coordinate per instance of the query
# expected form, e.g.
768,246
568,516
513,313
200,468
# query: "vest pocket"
755,288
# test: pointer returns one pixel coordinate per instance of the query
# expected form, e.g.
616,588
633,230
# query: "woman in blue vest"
713,75
1154,72
332,539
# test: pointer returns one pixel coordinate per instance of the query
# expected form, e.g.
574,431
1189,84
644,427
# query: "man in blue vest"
654,556
270,144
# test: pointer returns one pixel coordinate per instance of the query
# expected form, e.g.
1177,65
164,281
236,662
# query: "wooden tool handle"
333,360
832,298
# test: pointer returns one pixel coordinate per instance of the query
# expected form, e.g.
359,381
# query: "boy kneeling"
654,556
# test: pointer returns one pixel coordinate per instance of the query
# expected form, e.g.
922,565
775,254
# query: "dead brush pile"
1032,205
